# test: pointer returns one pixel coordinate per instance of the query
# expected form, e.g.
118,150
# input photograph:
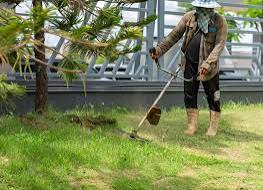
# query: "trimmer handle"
153,50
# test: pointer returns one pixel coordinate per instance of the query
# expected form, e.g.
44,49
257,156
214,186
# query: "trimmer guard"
154,116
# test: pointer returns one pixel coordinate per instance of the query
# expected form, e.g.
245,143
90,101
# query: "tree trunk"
41,70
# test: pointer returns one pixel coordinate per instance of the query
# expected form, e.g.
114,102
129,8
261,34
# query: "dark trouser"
211,88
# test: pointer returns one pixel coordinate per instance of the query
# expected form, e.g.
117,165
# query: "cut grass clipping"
84,149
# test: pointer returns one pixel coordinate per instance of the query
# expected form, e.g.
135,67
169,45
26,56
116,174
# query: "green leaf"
72,62
8,90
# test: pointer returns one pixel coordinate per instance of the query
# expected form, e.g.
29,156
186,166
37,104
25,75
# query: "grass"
50,152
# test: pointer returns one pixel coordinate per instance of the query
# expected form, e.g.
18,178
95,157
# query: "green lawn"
57,154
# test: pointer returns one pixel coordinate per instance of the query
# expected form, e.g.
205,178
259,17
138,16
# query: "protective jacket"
211,44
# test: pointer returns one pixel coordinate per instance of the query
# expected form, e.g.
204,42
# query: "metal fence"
139,66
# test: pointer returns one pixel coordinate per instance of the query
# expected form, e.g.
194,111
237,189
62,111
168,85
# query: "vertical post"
260,58
141,15
149,41
258,39
161,14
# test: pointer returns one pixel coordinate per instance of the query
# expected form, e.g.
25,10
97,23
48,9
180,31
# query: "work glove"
153,53
202,72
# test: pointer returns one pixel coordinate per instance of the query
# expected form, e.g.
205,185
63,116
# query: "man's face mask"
204,11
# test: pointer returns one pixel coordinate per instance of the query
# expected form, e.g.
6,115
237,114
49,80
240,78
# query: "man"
205,35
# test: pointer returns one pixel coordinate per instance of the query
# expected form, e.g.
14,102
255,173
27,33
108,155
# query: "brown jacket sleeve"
173,37
221,37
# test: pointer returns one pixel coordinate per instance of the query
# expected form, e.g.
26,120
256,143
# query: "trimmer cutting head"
133,134
153,116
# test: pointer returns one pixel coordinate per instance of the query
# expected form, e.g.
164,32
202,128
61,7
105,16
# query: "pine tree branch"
54,67
87,43
52,49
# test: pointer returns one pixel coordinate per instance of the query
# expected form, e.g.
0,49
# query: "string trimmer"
153,114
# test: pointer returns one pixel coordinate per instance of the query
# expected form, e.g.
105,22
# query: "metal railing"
139,66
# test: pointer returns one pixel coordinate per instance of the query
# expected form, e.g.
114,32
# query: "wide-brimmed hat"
205,3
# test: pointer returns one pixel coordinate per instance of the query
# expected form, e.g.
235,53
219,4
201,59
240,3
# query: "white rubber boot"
214,119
